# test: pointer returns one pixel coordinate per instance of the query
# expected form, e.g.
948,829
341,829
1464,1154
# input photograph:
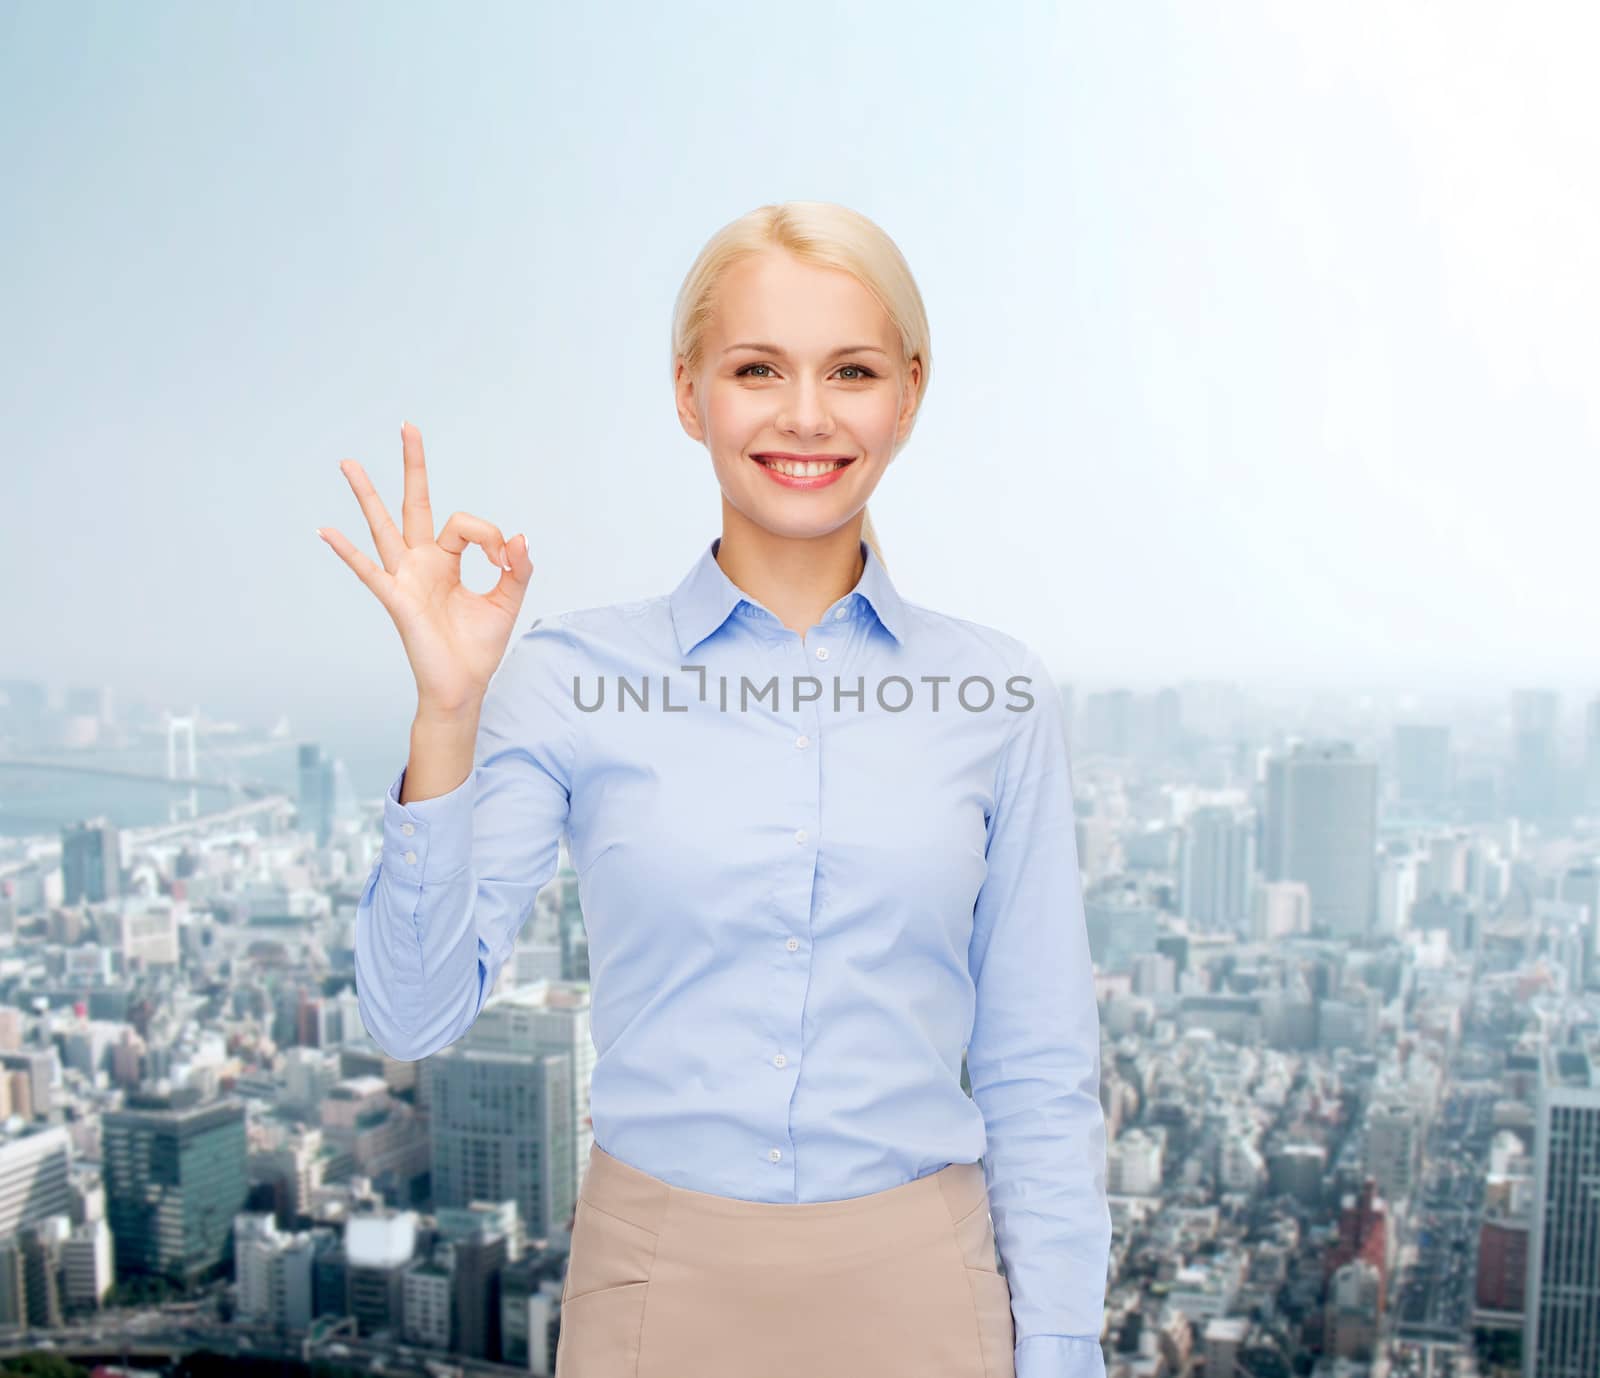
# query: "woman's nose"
806,412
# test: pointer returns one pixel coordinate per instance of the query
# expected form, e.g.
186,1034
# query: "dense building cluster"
1350,1014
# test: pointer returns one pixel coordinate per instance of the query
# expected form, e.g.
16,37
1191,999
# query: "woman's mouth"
804,473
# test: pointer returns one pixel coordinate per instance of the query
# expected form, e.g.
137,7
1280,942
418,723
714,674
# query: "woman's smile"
797,472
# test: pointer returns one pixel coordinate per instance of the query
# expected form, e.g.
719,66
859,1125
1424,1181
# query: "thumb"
514,581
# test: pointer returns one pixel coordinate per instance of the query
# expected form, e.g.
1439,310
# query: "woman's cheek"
729,415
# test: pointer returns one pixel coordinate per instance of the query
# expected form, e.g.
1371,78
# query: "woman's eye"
861,369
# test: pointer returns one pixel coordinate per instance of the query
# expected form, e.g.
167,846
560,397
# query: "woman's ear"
688,403
908,407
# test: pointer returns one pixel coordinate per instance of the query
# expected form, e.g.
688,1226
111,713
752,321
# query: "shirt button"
822,652
774,1153
793,944
408,828
779,1061
411,858
802,742
838,614
800,836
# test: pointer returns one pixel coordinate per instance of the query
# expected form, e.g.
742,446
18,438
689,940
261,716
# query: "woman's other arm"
1034,1055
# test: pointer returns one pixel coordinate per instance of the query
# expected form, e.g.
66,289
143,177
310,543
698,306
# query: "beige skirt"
664,1282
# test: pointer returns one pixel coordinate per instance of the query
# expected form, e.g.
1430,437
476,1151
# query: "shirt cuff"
427,840
1060,1356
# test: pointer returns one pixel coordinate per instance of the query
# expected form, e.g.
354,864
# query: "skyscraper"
1561,1325
501,1130
1535,759
535,1020
91,862
175,1176
1108,723
1320,826
316,798
1218,859
1581,885
325,796
1422,774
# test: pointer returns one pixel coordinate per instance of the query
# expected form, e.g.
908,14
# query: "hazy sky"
1264,339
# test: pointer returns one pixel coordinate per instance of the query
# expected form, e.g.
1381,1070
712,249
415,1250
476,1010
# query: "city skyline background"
1263,409
1263,342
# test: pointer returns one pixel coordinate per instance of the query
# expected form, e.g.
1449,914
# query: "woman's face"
798,360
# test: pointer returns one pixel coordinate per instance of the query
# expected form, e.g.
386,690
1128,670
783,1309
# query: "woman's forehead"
797,305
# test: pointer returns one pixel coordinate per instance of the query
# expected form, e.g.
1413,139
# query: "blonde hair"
827,236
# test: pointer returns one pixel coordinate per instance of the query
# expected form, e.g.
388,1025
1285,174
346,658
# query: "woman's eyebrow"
765,348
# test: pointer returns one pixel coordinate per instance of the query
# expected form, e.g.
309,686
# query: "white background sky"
1264,337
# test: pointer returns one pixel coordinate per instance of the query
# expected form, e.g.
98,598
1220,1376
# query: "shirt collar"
706,597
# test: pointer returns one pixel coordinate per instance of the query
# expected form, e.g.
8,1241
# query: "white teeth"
803,469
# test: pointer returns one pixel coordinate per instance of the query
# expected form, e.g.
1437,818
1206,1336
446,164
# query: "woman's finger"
416,516
464,529
385,535
370,574
508,593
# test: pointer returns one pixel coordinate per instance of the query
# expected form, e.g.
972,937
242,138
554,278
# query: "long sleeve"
1034,1055
457,874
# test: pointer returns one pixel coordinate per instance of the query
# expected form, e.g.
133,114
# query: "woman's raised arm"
472,824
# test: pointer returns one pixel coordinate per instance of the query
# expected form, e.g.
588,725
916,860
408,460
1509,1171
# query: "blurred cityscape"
1350,1006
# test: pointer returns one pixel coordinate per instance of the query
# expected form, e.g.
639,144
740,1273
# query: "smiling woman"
803,912
799,334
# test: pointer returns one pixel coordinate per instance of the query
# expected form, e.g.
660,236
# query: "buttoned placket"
812,650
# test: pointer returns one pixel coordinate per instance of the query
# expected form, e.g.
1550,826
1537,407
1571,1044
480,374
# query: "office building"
1561,1325
1320,826
273,1273
91,864
1535,755
1422,773
175,1177
501,1128
1217,862
35,1178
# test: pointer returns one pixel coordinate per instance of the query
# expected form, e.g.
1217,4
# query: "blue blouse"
813,870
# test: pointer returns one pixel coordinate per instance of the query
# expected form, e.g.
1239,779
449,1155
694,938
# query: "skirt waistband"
636,1196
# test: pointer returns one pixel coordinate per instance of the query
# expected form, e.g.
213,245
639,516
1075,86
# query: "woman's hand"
454,638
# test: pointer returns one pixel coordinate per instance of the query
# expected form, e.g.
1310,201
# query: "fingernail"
320,536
